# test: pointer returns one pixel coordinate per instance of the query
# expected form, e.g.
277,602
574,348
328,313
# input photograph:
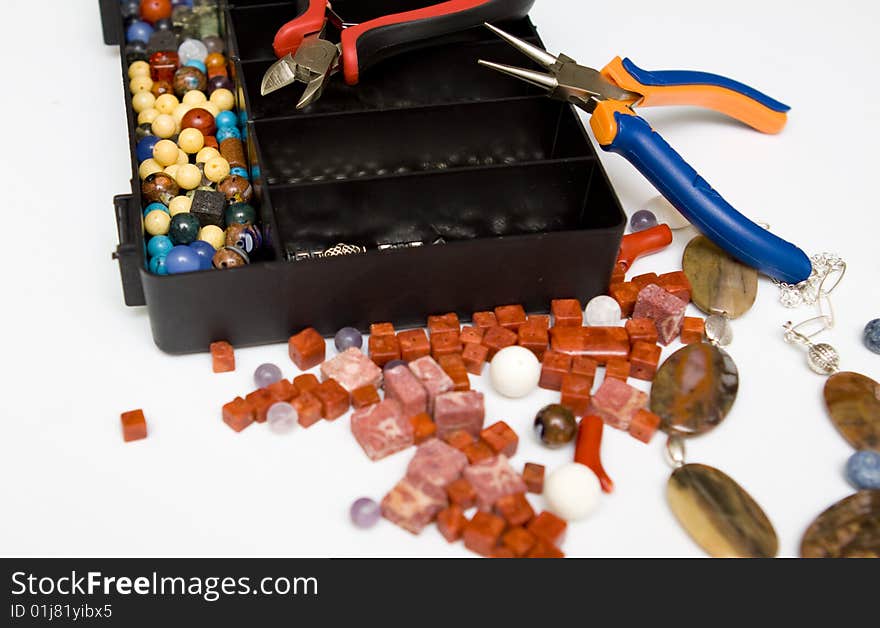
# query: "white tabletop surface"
74,357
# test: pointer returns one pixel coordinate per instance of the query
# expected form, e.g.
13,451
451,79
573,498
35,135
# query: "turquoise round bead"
241,172
159,246
157,265
157,205
226,119
199,65
228,132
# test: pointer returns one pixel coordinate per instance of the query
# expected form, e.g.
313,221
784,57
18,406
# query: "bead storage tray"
465,190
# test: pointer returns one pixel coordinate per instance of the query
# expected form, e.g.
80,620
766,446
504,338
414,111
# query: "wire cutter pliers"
610,96
307,56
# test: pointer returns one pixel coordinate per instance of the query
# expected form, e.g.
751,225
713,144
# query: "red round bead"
154,10
200,119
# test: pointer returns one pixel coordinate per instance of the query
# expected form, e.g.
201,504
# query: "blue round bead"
872,335
182,259
159,245
242,172
227,132
205,252
641,220
225,119
157,265
199,65
144,148
242,118
154,206
863,470
348,337
139,31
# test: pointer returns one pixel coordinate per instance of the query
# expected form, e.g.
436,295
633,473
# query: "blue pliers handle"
610,96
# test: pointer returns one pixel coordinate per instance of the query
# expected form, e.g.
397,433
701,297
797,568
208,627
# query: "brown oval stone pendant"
848,529
719,514
694,389
853,402
719,283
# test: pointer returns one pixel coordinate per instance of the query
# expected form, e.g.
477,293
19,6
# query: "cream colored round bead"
138,68
142,101
217,169
191,141
572,491
148,115
189,177
167,103
194,97
211,108
148,167
171,171
213,235
179,204
140,84
514,372
157,222
164,126
179,111
182,158
223,98
207,154
165,153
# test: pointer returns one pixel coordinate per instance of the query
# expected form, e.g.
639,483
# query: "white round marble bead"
572,491
281,417
192,49
514,372
602,311
666,213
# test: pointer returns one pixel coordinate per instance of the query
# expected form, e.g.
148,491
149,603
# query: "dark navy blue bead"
205,252
348,337
159,246
139,31
863,470
872,335
182,259
144,148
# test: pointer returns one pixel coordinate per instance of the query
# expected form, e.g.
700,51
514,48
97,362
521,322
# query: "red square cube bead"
553,367
644,358
461,493
626,295
644,425
676,284
443,324
238,414
501,438
305,383
510,316
384,349
308,409
548,527
618,274
533,476
534,338
364,396
261,400
451,522
414,344
423,427
618,368
567,313
484,320
307,349
584,366
471,335
474,357
454,366
497,338
476,451
282,390
641,330
692,329
381,329
515,509
647,279
543,549
459,439
334,399
134,425
576,393
445,343
222,357
519,540
539,320
482,532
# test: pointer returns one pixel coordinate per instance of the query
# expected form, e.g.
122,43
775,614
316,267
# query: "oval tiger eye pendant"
848,529
719,283
694,389
853,402
719,514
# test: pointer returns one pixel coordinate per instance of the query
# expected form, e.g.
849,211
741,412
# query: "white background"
74,357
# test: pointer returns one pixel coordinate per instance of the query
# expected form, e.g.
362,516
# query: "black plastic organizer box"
498,185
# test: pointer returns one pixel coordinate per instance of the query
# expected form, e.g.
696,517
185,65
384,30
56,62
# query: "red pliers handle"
377,39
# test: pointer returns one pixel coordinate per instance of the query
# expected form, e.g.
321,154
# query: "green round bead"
184,229
240,214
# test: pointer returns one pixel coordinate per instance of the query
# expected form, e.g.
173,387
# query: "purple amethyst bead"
365,512
281,417
266,375
642,220
348,337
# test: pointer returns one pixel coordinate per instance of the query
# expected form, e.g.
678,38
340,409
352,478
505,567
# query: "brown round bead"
201,120
237,189
555,425
215,60
230,257
162,87
187,79
159,188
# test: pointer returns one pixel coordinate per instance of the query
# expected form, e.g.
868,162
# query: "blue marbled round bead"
159,245
228,132
863,470
872,335
205,252
348,337
642,220
144,148
225,119
241,172
182,259
139,31
157,265
153,206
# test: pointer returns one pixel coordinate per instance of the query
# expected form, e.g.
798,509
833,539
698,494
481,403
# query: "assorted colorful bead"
190,141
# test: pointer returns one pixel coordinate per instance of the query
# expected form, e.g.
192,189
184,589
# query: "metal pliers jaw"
313,63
